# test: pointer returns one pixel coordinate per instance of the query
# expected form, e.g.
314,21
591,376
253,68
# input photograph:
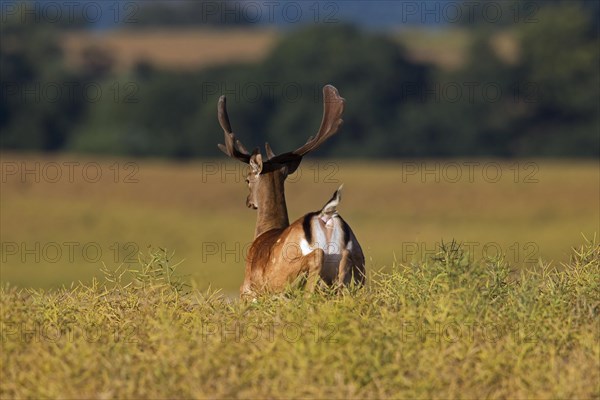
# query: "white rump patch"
305,247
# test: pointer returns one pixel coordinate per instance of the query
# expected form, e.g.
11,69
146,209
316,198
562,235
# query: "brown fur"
275,258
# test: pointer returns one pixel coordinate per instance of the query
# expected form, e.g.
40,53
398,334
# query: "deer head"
266,177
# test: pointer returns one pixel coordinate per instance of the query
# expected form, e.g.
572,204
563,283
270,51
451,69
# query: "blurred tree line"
526,89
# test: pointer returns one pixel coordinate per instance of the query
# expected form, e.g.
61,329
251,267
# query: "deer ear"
256,162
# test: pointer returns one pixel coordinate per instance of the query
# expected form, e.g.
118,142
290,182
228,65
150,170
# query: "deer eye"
248,181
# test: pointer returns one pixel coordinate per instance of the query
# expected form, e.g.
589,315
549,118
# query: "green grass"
445,328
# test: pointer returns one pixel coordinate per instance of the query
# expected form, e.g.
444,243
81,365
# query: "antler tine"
222,113
270,153
233,147
333,107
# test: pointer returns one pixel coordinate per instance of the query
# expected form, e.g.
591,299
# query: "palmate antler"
333,107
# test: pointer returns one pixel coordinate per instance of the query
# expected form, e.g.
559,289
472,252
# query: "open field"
189,49
173,49
464,323
56,231
448,328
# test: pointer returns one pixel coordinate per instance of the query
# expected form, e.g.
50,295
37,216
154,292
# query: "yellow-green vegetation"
168,48
55,231
447,49
444,328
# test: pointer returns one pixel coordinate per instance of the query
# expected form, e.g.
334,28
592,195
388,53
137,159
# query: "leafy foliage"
527,89
30,59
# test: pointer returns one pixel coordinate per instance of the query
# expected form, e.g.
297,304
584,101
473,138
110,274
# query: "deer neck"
272,210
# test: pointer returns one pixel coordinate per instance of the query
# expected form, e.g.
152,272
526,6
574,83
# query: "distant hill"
193,48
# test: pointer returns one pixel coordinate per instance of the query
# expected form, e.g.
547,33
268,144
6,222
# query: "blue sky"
372,14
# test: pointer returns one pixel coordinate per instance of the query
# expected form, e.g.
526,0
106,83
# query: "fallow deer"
319,244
